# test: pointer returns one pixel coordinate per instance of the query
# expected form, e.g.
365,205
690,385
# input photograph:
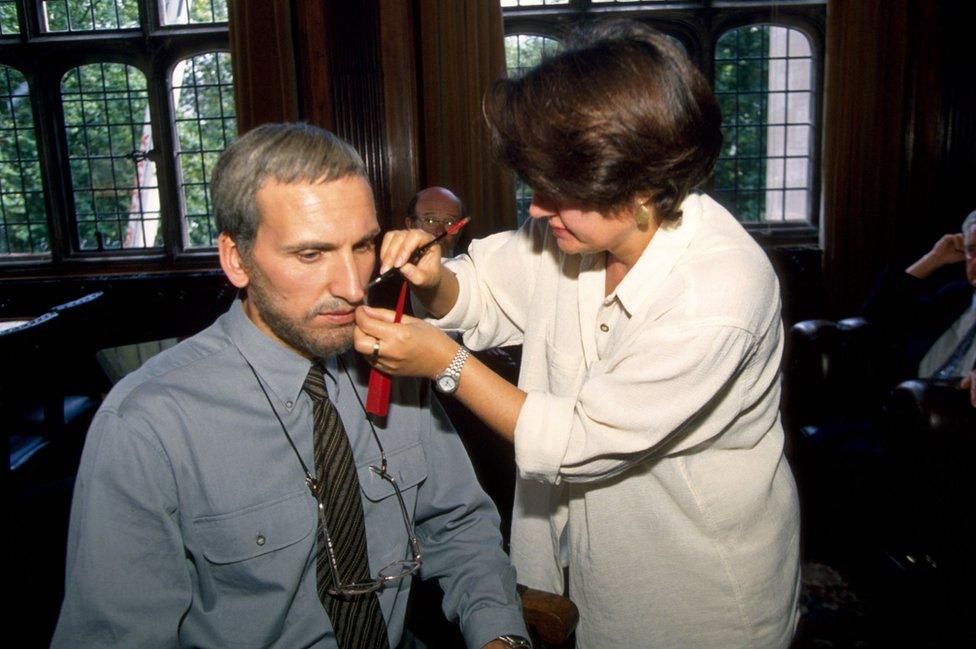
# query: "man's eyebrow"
324,246
327,246
369,237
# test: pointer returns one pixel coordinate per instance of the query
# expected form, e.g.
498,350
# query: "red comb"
378,395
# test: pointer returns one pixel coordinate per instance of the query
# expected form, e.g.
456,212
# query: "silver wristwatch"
448,380
515,641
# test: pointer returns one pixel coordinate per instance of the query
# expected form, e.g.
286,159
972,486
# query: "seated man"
232,491
934,325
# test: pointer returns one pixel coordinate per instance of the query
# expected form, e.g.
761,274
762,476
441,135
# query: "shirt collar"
658,258
282,370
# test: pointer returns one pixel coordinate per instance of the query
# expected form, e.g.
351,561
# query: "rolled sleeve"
542,435
670,390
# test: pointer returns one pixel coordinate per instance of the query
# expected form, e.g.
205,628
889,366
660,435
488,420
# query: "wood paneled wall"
899,142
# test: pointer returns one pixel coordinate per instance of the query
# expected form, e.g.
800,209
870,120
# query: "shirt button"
604,328
289,404
260,539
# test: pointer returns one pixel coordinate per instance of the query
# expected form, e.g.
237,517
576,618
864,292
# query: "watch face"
446,383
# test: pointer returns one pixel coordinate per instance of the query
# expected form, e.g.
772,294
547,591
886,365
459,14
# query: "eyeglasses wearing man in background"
434,210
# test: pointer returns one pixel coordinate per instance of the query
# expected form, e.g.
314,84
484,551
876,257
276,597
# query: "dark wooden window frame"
154,49
699,25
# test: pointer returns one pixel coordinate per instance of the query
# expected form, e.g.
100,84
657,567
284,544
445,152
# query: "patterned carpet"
832,614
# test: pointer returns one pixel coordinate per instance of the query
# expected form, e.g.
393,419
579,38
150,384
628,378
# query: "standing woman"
646,425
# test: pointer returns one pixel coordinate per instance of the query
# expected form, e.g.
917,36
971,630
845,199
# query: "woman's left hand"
408,348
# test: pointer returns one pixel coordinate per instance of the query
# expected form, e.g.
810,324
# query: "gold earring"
643,214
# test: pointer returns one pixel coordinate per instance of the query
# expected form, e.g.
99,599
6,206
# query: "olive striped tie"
356,620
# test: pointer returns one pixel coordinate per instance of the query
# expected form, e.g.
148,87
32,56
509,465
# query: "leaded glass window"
130,102
763,81
523,51
9,22
109,135
532,3
23,218
88,15
192,12
204,100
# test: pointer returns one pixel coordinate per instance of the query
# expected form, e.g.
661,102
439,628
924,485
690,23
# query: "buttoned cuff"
489,622
542,434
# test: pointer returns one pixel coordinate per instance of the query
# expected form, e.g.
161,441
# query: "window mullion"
162,119
52,154
149,16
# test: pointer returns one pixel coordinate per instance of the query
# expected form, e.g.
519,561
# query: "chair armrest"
550,618
932,409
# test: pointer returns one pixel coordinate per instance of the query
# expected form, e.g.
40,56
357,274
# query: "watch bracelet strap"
460,357
515,641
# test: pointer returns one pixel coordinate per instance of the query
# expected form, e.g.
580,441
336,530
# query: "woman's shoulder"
720,245
725,272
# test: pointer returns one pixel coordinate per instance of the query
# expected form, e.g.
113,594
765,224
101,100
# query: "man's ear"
231,261
408,222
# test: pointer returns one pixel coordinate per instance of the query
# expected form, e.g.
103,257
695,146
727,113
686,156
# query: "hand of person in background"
408,348
969,383
950,249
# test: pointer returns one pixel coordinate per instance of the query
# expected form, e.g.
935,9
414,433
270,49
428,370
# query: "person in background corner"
932,324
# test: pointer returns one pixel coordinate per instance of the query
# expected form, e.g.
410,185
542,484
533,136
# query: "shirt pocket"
565,371
251,564
386,532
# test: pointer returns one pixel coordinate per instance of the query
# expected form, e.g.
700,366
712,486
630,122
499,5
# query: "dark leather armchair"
880,465
48,391
835,379
932,427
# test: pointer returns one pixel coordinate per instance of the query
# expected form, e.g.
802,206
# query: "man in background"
433,210
933,323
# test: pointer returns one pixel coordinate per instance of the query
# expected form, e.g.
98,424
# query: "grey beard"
336,341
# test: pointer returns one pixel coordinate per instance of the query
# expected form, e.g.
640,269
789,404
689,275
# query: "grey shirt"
192,526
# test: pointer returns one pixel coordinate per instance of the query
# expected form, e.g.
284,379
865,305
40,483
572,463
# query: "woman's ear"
231,261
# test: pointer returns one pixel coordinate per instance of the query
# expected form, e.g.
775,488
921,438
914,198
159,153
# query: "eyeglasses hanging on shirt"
394,571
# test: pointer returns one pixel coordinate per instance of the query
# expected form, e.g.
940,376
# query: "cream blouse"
650,450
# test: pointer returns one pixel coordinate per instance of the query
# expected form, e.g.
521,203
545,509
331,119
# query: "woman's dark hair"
618,113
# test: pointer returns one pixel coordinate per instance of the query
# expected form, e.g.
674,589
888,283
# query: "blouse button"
604,328
260,539
289,404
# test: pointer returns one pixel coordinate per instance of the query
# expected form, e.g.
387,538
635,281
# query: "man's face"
310,260
437,209
970,239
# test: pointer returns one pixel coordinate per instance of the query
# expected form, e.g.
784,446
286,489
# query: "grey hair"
286,153
968,224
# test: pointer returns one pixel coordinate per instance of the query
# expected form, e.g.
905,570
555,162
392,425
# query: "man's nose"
346,281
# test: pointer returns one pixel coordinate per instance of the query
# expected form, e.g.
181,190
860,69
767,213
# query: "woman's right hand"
395,252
